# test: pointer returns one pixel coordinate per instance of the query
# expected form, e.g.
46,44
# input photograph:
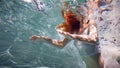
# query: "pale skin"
91,37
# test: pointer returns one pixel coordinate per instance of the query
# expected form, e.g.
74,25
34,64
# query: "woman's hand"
66,34
35,37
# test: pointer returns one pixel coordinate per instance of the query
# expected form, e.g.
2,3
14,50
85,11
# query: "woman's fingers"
64,33
40,38
33,37
67,34
60,31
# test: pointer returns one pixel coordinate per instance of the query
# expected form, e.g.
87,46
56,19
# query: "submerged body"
84,34
87,33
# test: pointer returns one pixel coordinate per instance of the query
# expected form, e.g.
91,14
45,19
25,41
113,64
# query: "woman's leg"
101,61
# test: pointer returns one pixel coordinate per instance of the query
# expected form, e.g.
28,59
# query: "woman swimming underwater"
82,32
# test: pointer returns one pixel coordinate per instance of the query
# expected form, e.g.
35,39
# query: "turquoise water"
18,21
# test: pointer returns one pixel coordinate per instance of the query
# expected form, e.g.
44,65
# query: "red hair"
71,24
72,20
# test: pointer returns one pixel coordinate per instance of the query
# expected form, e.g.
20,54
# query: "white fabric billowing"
111,56
109,36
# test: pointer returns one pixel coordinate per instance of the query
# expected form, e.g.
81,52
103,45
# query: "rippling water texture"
18,21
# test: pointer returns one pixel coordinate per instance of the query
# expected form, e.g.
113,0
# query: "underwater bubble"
42,67
27,1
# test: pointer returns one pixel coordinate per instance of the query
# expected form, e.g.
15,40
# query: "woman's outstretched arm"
51,41
91,37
